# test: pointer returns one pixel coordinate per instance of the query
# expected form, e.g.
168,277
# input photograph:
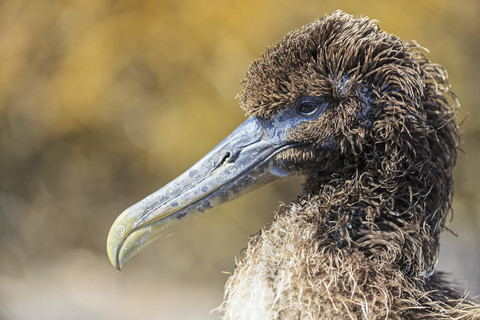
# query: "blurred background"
103,102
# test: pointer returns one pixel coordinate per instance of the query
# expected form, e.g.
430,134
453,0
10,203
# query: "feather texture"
362,241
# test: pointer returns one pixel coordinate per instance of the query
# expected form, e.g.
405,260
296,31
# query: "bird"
369,121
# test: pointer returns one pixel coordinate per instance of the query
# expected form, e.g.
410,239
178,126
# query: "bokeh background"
103,102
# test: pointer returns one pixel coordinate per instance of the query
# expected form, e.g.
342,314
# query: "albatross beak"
241,163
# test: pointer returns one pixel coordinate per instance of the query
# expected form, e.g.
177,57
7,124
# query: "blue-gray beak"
242,162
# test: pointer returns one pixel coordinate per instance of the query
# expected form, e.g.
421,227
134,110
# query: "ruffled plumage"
362,241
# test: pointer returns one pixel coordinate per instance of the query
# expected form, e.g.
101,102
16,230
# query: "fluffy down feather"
362,241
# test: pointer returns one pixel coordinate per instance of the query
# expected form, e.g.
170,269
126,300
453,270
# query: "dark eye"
309,106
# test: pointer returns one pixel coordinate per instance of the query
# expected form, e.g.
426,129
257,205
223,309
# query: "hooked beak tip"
115,241
126,238
112,252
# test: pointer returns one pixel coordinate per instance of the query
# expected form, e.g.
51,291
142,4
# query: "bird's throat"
373,223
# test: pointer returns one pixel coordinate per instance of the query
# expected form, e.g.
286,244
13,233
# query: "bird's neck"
387,224
334,252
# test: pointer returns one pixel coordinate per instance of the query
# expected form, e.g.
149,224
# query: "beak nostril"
224,157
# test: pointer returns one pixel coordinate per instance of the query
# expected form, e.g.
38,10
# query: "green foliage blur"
102,102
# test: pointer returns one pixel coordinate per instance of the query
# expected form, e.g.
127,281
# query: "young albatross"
370,122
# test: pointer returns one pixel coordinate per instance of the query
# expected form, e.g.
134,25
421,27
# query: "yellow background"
102,102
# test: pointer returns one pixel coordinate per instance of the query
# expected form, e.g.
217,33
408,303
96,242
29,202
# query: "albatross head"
338,100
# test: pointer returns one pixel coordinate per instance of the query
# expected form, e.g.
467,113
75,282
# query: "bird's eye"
309,106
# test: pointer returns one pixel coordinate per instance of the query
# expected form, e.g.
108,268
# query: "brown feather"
362,241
